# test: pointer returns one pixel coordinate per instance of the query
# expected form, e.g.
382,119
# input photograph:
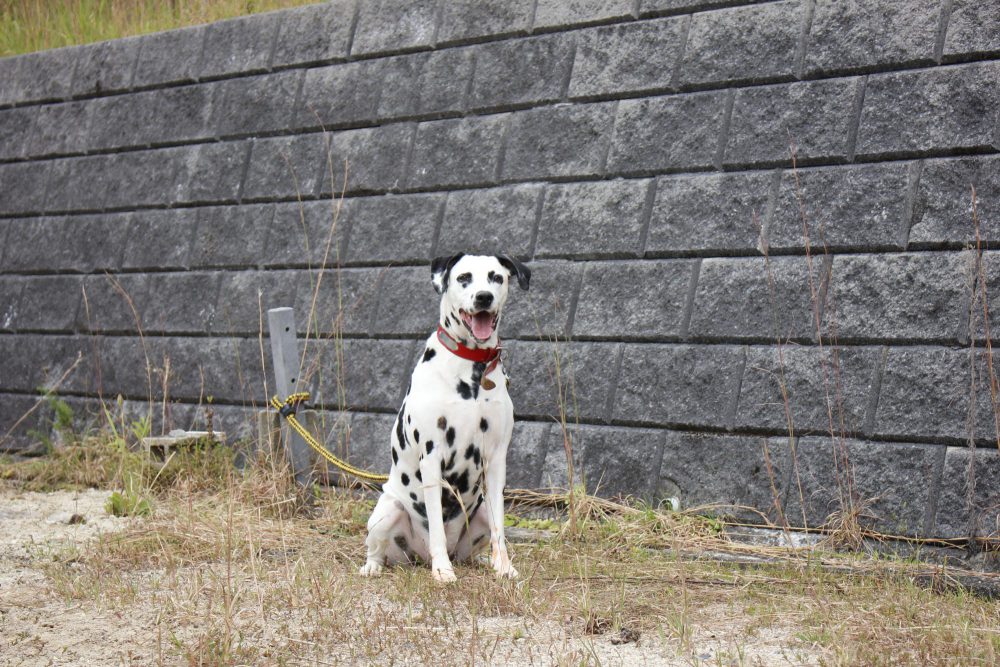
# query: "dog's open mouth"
481,324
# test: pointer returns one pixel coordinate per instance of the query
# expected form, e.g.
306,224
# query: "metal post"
285,354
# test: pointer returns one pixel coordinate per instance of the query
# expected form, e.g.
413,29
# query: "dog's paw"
371,569
505,570
443,576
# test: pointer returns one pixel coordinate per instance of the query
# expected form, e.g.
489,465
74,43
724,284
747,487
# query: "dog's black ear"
441,271
515,267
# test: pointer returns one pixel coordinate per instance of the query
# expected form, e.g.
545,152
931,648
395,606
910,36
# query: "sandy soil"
37,627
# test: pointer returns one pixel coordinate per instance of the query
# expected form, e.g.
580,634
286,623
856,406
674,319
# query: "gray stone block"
594,219
49,303
217,174
15,131
558,141
693,385
861,207
181,302
624,58
240,45
409,220
915,296
123,365
931,110
105,67
456,152
113,303
226,369
472,20
341,94
10,299
155,117
338,301
755,43
942,209
77,243
956,515
314,33
667,133
725,475
552,379
285,167
366,160
827,389
160,239
425,83
888,484
246,296
60,129
307,234
633,299
42,75
76,183
167,57
24,186
490,221
17,423
559,13
747,298
10,86
924,392
972,28
368,443
855,35
716,212
519,71
544,310
406,302
526,454
141,178
394,25
35,363
813,118
373,373
610,462
250,105
231,236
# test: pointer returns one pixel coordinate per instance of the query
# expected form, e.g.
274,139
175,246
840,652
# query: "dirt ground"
38,626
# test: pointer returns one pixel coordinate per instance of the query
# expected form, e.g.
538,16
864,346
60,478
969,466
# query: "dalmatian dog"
444,497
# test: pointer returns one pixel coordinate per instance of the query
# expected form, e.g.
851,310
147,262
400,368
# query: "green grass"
35,25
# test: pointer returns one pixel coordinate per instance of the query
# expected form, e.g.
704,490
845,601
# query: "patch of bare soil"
131,625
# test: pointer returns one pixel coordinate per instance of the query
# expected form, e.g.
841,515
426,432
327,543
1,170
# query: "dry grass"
34,25
238,572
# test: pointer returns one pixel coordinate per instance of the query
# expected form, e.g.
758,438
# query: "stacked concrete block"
761,235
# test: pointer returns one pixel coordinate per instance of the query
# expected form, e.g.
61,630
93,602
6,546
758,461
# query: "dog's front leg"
496,478
441,569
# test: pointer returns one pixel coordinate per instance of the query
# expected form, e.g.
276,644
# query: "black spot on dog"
476,456
429,446
484,425
451,462
469,451
460,482
447,321
450,435
464,390
405,479
401,543
425,524
429,354
416,437
420,508
442,423
409,419
413,496
395,456
400,437
419,477
477,376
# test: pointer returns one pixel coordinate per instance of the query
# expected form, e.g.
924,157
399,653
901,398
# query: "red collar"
479,355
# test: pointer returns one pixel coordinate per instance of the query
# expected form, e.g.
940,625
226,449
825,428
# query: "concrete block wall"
750,225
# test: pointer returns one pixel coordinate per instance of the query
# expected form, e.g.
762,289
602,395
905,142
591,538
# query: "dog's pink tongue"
482,325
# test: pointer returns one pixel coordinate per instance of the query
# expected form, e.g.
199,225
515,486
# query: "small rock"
76,519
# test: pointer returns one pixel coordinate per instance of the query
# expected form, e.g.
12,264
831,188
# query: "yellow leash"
287,410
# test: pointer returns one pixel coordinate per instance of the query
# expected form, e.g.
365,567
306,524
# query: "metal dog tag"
487,384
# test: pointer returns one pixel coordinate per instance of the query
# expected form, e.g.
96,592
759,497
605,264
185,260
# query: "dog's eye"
494,277
464,279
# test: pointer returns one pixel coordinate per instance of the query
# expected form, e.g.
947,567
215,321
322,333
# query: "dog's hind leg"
383,525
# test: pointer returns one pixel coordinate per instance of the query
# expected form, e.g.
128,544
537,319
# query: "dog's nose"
483,299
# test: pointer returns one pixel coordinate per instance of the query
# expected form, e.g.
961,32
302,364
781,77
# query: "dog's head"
473,291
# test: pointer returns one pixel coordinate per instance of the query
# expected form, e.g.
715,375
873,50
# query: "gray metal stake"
285,353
